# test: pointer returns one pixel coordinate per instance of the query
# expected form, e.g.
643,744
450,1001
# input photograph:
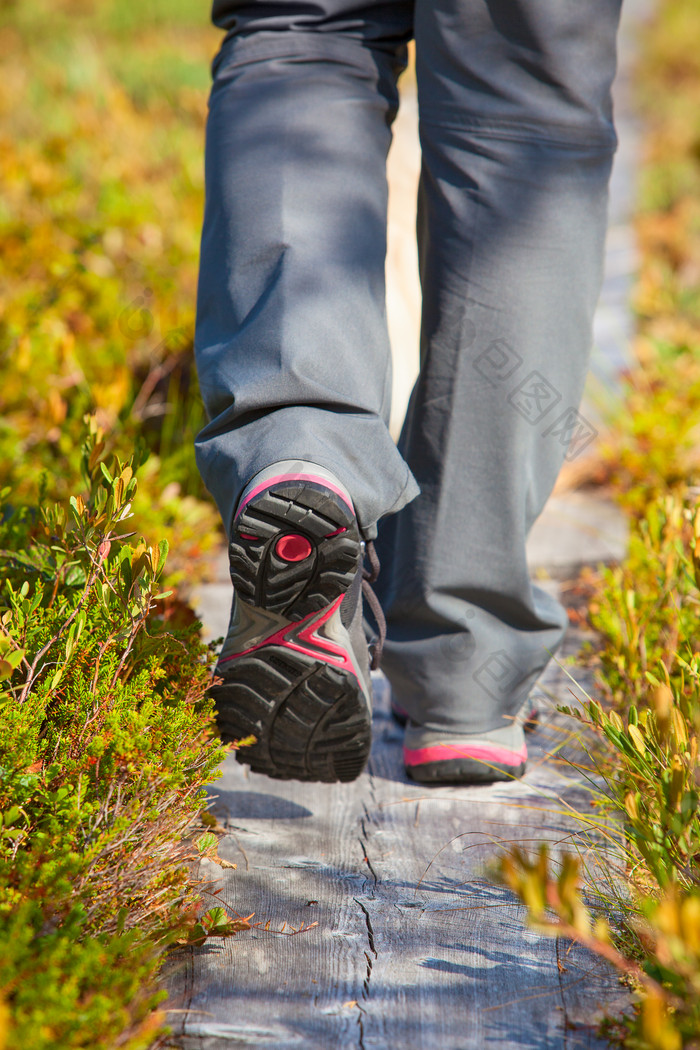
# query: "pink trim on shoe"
488,753
331,652
293,477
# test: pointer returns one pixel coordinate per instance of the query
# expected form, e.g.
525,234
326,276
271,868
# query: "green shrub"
647,608
105,747
642,841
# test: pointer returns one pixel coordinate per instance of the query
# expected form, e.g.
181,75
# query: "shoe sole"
469,763
294,552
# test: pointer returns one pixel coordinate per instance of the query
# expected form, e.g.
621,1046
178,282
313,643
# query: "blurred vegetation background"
102,113
654,444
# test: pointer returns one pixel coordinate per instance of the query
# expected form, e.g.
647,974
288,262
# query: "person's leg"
517,138
291,340
293,360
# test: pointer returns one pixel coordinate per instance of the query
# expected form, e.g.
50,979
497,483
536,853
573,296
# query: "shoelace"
369,576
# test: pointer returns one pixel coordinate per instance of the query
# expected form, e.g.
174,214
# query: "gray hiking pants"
291,338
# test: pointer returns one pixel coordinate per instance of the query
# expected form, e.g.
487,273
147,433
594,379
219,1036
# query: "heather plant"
106,745
640,848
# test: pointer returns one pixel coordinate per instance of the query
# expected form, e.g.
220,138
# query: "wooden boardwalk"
413,946
410,944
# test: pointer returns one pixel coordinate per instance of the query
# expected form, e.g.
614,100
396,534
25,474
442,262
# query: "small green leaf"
205,842
215,917
15,658
197,935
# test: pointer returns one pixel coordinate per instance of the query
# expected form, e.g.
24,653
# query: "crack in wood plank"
365,853
370,931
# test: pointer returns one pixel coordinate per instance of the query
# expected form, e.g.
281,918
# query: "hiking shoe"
294,664
433,757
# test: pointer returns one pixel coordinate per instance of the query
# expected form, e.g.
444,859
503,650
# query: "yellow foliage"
4,1024
632,805
657,1026
637,739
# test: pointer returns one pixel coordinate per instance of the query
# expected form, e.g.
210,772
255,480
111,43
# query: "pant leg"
291,340
517,138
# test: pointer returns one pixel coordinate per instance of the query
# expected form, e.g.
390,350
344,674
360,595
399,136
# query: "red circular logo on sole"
293,547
